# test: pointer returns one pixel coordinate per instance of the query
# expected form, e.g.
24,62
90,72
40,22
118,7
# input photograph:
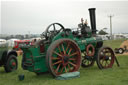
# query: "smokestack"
93,20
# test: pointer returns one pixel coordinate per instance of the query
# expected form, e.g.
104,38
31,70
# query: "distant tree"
102,32
105,28
11,36
26,36
18,36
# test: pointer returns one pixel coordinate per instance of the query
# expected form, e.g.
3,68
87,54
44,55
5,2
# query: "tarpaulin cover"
67,76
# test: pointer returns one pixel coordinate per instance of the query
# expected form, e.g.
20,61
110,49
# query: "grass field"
88,76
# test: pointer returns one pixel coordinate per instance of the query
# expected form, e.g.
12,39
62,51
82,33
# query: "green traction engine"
63,50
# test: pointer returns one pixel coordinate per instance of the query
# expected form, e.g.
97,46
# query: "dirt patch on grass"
125,43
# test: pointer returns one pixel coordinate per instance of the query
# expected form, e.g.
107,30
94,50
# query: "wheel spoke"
57,54
65,69
70,51
72,64
69,67
58,68
54,27
55,58
72,59
59,49
61,69
85,61
73,54
67,47
57,62
63,49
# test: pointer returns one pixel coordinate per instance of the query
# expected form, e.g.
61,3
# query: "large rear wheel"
63,56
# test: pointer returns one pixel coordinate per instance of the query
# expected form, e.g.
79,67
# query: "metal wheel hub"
13,64
106,58
88,58
120,51
65,60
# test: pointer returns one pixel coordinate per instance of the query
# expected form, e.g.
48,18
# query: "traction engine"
63,50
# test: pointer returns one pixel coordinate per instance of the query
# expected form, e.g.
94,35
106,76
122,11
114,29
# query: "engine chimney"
93,20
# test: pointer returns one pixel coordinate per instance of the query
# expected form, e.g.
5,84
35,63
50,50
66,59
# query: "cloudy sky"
24,16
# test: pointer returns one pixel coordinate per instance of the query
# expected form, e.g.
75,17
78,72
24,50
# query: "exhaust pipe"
93,20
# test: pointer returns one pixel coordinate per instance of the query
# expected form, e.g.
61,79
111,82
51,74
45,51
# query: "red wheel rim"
106,57
65,57
90,50
13,64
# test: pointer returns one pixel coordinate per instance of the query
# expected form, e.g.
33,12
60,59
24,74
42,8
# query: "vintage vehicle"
18,42
63,50
8,58
123,48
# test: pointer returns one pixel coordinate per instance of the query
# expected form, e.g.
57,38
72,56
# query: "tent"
2,41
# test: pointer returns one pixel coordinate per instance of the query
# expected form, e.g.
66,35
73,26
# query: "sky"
33,16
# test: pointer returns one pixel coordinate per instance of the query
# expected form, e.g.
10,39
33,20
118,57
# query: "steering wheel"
54,31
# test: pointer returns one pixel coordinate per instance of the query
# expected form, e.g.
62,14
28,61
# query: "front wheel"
11,64
105,58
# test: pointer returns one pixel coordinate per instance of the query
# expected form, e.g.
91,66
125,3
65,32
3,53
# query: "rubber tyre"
121,50
7,66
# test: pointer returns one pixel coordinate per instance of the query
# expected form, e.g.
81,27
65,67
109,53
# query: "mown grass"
88,76
114,43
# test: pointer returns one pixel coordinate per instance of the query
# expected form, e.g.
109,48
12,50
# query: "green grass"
88,76
114,43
